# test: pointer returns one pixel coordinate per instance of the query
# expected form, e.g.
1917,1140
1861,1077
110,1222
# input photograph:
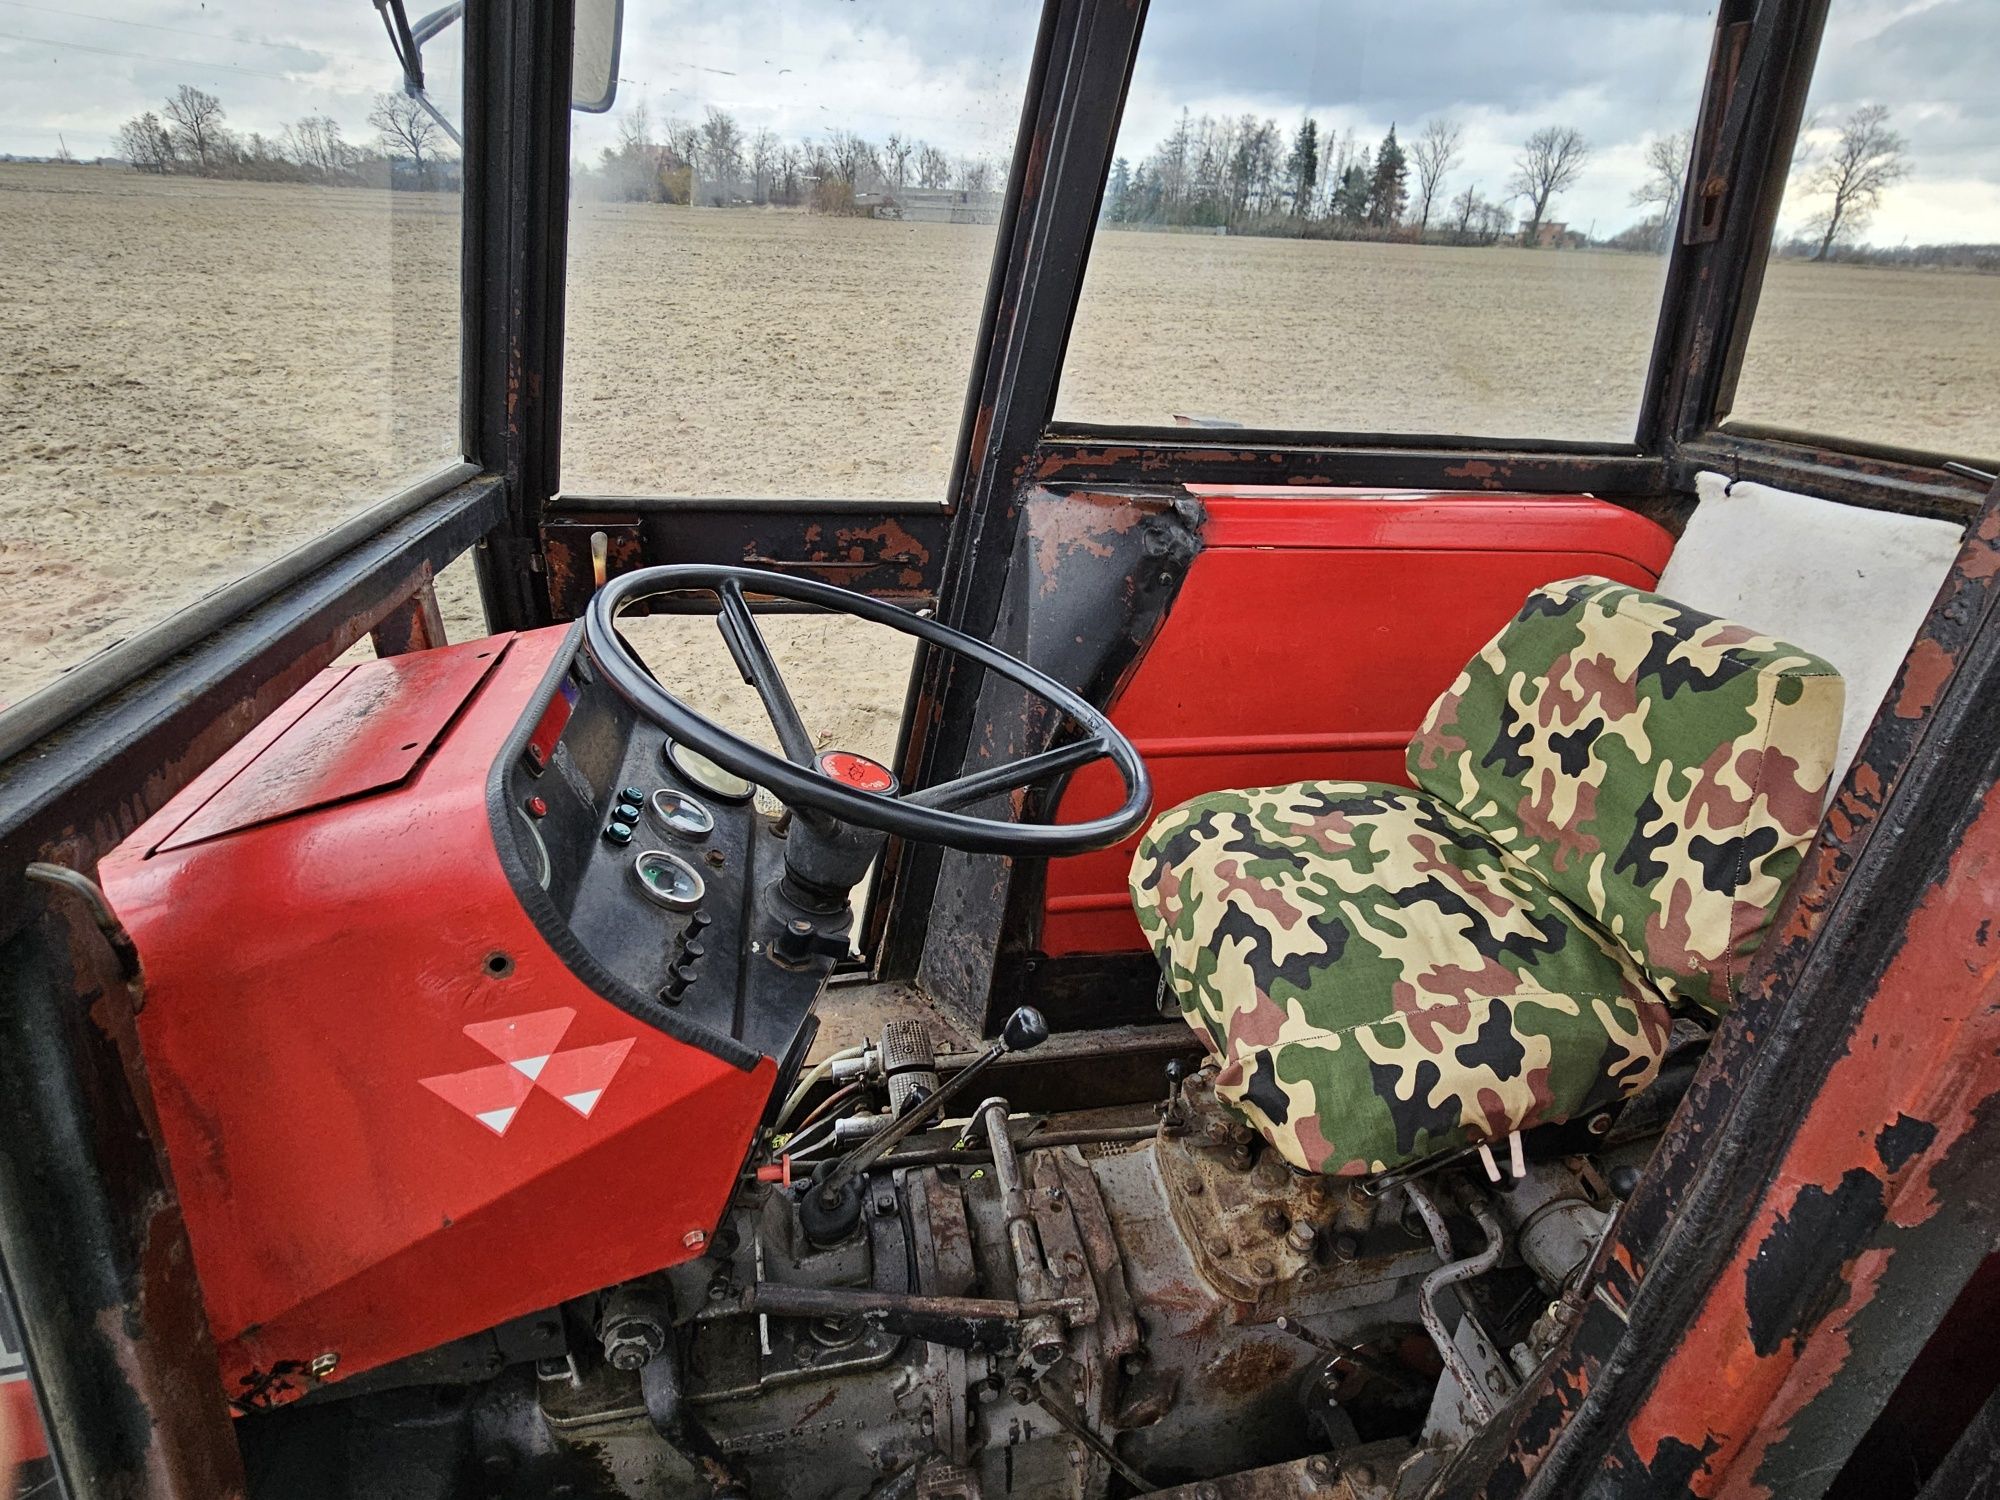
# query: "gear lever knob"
1024,1029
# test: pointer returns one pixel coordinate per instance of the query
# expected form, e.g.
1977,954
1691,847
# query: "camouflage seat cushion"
1378,979
1612,799
1660,768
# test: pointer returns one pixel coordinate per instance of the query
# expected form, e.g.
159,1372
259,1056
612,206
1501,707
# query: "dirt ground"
195,377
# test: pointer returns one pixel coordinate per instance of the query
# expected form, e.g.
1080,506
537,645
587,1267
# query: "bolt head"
323,1365
694,1239
1263,1267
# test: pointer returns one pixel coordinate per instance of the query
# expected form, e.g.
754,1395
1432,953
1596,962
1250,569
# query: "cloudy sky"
951,72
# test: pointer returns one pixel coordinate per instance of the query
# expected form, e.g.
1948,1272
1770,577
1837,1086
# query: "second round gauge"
679,814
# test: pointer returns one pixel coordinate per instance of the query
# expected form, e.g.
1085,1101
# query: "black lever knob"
1024,1029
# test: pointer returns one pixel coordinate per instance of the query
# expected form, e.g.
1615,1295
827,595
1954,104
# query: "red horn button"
856,771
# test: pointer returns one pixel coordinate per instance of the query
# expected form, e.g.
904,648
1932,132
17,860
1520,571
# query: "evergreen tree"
1302,167
1118,194
1350,197
1388,188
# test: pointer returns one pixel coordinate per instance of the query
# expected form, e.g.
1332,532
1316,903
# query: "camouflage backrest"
1659,768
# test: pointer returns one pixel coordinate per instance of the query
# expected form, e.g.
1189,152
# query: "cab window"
229,273
779,246
1880,312
1390,218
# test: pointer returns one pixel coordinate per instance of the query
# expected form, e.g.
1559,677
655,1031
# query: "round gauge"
537,850
717,781
668,880
679,814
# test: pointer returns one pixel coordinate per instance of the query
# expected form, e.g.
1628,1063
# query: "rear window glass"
1417,218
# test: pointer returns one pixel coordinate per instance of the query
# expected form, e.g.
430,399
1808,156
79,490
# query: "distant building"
1553,235
943,206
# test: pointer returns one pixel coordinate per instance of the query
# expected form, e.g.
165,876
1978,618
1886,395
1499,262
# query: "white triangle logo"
497,1120
531,1066
584,1102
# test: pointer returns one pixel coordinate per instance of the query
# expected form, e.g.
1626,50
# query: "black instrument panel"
653,872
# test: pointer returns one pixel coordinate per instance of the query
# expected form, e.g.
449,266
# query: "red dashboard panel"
1311,636
394,1114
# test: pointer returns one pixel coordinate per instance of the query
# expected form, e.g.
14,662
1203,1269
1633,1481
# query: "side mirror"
593,73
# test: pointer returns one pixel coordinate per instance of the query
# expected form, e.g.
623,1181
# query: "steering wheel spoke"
753,659
964,791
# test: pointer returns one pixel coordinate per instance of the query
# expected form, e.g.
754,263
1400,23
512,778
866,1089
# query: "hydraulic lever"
832,1203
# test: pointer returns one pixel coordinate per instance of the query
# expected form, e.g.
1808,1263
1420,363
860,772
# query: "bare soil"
196,377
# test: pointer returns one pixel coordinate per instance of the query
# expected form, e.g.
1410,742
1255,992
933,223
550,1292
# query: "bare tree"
1550,162
1867,158
765,152
896,160
315,144
1464,210
721,151
1434,154
194,119
975,175
849,157
407,130
146,143
933,166
1666,158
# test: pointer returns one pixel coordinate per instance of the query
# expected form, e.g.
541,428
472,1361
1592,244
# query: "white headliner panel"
1850,584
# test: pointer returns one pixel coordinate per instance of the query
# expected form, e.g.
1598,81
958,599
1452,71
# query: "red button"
857,771
537,807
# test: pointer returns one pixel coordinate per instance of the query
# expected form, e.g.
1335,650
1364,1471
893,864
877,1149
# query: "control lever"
832,1204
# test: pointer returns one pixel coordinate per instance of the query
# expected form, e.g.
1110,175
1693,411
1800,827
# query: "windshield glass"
229,269
779,245
1364,216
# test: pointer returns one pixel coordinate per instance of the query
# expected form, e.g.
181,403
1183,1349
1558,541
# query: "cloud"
1621,71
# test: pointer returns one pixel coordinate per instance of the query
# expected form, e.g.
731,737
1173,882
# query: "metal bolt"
1191,1185
323,1365
1320,1466
1347,1246
694,1239
1362,1473
1599,1124
1263,1267
1218,1247
1300,1238
1276,1220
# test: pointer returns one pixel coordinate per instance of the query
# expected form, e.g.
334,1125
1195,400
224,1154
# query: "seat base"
1382,982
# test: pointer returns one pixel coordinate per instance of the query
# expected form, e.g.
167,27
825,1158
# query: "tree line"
189,136
1243,175
715,162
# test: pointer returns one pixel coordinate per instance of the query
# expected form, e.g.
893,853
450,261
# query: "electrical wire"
812,1078
845,1092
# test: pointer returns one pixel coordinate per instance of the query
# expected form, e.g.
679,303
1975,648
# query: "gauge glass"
717,780
679,814
668,880
537,850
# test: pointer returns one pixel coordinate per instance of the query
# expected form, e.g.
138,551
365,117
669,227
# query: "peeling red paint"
1926,670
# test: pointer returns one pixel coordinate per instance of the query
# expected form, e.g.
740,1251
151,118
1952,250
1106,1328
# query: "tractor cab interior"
1384,965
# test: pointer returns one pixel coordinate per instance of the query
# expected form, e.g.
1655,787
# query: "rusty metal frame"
1823,1193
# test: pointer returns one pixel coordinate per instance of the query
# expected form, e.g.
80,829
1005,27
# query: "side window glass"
1879,318
229,270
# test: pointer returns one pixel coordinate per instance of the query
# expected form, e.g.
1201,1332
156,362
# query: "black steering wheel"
796,779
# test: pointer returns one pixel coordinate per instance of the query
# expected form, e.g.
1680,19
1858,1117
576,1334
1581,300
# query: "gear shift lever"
832,1203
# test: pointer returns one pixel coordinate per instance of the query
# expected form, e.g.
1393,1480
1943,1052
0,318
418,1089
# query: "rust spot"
1249,1368
817,1407
1476,469
1925,672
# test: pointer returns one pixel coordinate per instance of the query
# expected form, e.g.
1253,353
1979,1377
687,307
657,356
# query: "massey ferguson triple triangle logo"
529,1060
